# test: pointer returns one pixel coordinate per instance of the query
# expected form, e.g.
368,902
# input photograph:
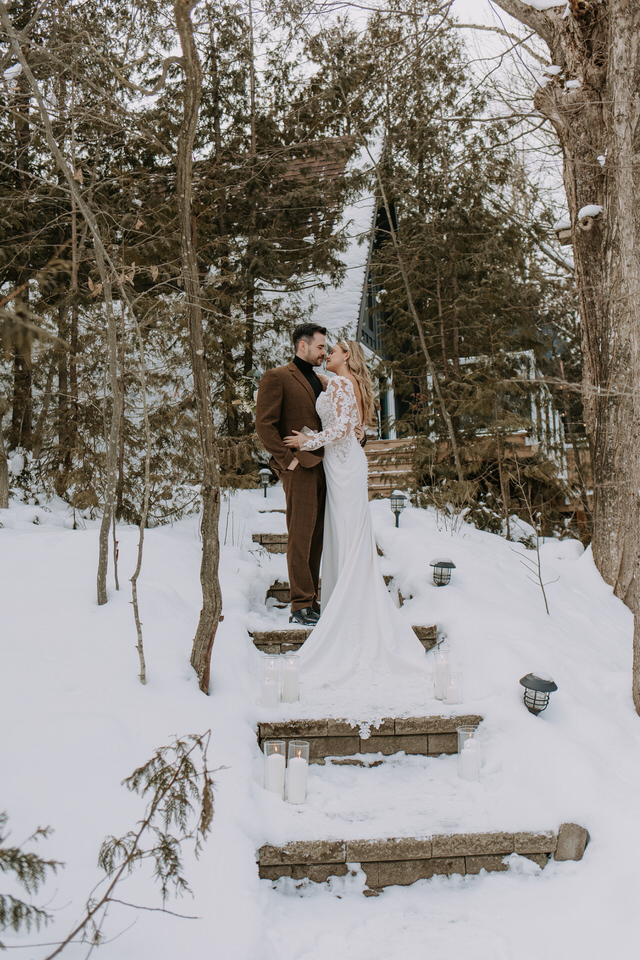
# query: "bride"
360,629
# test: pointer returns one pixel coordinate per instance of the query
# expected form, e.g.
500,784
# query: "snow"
77,722
544,4
12,72
553,70
590,210
563,224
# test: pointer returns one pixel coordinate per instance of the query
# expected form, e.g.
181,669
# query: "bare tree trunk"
211,595
142,376
4,467
598,44
20,434
109,505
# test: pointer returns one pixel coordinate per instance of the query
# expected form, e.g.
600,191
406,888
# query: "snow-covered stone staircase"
339,743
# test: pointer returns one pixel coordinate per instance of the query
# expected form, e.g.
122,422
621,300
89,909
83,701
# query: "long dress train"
360,631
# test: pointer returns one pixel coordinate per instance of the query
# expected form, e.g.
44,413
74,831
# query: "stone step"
272,542
279,591
416,736
403,860
289,640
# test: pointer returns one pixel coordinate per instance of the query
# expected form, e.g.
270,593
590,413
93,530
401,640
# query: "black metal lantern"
265,476
442,571
537,688
398,502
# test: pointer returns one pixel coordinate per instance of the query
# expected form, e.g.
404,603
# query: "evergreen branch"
178,784
30,871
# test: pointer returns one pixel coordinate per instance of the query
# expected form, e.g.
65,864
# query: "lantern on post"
265,476
398,502
442,571
537,688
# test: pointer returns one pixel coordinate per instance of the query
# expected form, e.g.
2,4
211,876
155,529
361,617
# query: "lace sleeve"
344,415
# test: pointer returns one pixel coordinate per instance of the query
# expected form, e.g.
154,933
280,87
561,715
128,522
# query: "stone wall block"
401,848
273,873
440,743
279,636
292,729
386,728
341,746
340,728
404,872
319,872
472,844
303,851
391,744
572,840
426,633
490,863
535,842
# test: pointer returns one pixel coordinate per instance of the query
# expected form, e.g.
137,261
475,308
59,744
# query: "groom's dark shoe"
306,617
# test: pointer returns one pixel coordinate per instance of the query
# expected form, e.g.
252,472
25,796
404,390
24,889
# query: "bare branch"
519,41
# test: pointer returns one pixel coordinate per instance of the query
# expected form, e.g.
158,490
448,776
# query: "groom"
287,402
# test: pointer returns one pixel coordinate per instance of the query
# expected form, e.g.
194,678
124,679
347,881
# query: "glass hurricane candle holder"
441,675
274,766
453,689
297,768
290,678
270,691
468,753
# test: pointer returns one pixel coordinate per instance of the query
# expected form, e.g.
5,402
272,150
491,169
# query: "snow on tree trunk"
596,119
210,489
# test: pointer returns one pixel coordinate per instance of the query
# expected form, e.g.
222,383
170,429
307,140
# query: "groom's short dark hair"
305,331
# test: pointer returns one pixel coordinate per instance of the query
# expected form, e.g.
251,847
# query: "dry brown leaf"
139,224
154,273
77,175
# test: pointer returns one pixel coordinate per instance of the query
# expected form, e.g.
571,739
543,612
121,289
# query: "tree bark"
597,124
210,490
4,470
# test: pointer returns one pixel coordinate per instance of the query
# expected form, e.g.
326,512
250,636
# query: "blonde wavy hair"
357,364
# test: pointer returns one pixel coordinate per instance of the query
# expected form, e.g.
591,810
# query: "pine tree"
478,283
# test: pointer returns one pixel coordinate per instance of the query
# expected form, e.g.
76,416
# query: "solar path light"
398,502
265,476
537,689
442,571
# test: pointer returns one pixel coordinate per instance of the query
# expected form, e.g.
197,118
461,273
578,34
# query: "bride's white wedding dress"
360,631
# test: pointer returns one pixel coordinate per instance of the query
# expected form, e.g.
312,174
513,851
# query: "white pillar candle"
290,683
469,760
269,693
297,780
452,692
442,676
274,773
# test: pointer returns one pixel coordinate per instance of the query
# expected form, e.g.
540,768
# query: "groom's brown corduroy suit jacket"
286,402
